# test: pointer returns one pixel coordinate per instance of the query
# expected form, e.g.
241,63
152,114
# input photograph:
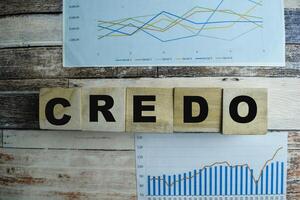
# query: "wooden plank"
46,29
292,3
67,174
46,63
37,139
292,25
1,138
31,30
15,7
284,93
82,174
19,110
31,85
69,140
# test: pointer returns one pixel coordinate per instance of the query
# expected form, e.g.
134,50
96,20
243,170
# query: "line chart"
173,33
189,23
211,165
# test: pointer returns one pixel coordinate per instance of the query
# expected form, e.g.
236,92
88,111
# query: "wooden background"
41,165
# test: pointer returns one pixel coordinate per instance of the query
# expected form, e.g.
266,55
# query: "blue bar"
159,185
164,185
221,180
200,182
267,178
169,185
256,187
184,184
272,178
174,184
154,193
277,176
251,181
231,179
282,176
246,185
149,192
262,183
210,181
226,181
241,184
195,182
216,180
190,183
236,180
179,184
205,181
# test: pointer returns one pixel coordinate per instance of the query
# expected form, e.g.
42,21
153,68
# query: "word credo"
155,110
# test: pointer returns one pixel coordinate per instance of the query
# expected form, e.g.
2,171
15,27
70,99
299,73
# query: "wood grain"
16,7
30,85
46,29
46,63
19,111
31,30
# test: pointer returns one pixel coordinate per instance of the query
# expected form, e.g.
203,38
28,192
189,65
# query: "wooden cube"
149,110
60,108
103,109
245,111
197,109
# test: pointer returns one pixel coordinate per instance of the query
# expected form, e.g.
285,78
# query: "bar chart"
261,171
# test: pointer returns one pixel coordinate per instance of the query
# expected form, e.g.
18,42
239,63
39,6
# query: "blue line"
262,183
282,176
190,183
210,181
200,182
221,180
216,180
184,183
272,178
159,185
195,182
251,181
267,179
169,185
174,185
205,181
241,184
179,184
226,181
236,180
164,185
277,176
231,179
246,186
149,192
154,180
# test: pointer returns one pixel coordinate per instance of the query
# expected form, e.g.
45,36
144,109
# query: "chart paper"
174,33
202,166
